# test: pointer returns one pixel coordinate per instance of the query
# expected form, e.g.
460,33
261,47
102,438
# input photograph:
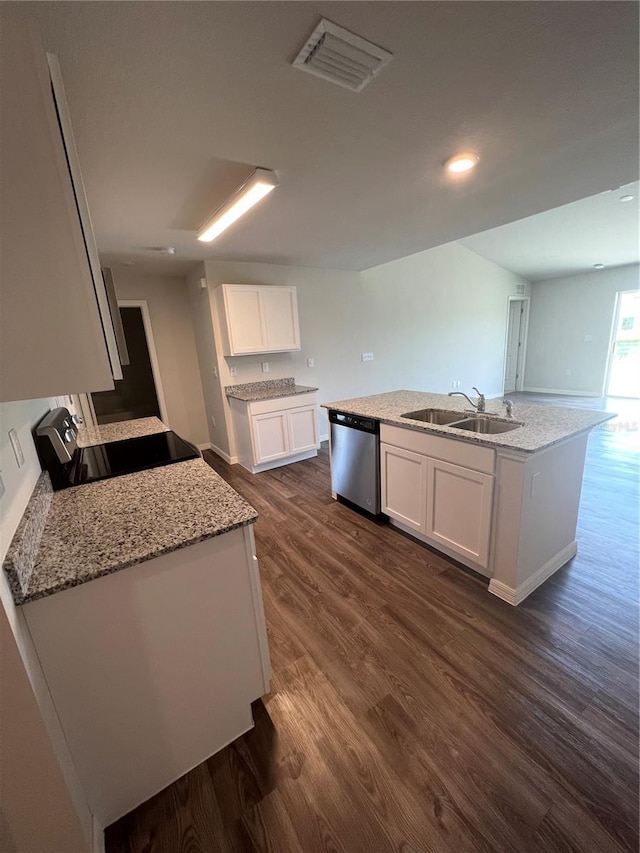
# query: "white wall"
429,318
43,809
436,317
563,311
173,335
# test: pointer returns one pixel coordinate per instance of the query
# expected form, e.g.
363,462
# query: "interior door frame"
526,302
143,305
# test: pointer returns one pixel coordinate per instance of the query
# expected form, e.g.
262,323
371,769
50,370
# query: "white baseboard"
324,437
206,446
567,392
232,460
518,594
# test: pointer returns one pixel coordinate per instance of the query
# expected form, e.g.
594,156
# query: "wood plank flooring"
410,709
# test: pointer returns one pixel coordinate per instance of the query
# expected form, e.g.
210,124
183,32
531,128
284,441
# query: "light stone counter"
119,431
72,536
542,425
269,389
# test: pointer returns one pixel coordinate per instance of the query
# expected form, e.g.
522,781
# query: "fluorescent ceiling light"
462,162
261,182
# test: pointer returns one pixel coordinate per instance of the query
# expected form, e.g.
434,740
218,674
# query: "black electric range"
70,465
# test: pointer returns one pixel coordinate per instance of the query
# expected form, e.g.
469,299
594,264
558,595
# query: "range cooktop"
69,465
128,456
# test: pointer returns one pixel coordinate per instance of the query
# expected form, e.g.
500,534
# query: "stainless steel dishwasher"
355,459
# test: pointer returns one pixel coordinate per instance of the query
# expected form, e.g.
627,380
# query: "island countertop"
542,425
72,536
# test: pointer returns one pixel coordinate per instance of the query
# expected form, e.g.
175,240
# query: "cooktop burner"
125,457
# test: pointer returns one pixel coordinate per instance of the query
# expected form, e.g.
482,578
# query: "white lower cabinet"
458,512
270,436
403,479
153,669
448,505
276,432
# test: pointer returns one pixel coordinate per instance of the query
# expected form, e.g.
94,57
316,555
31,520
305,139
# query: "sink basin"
434,416
487,426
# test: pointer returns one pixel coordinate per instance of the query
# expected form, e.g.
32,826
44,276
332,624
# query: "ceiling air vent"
337,55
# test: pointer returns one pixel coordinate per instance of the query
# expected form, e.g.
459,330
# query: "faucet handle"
481,399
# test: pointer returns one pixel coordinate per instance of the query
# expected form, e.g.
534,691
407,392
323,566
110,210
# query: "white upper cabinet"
52,340
258,318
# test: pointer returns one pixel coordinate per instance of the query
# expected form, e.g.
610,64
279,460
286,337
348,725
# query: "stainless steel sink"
487,426
434,416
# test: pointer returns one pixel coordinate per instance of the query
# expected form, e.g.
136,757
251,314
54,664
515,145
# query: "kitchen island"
142,596
503,504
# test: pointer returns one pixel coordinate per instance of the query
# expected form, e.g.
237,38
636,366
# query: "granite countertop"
541,427
269,389
118,431
68,537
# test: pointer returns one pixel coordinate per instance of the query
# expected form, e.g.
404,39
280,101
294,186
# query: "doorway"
623,372
515,346
139,393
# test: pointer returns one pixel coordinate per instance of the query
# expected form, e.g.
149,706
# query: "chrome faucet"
479,406
509,405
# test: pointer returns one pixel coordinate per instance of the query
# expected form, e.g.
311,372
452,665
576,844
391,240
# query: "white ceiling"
174,102
569,239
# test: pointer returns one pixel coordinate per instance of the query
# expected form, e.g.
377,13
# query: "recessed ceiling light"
462,162
598,266
626,198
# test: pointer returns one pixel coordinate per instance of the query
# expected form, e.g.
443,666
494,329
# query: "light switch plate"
310,362
17,447
367,356
265,366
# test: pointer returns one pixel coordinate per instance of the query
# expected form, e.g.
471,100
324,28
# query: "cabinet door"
270,436
245,319
403,477
280,308
459,505
303,429
51,338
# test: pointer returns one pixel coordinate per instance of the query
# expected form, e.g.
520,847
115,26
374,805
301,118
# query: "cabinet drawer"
297,401
452,450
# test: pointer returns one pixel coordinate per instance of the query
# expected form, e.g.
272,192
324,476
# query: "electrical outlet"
215,371
17,447
367,356
310,362
454,383
265,366
213,422
588,338
233,371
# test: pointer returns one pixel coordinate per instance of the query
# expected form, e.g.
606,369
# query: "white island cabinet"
51,288
270,433
503,501
441,489
258,318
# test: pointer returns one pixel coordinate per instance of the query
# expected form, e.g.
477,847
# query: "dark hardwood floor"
413,711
